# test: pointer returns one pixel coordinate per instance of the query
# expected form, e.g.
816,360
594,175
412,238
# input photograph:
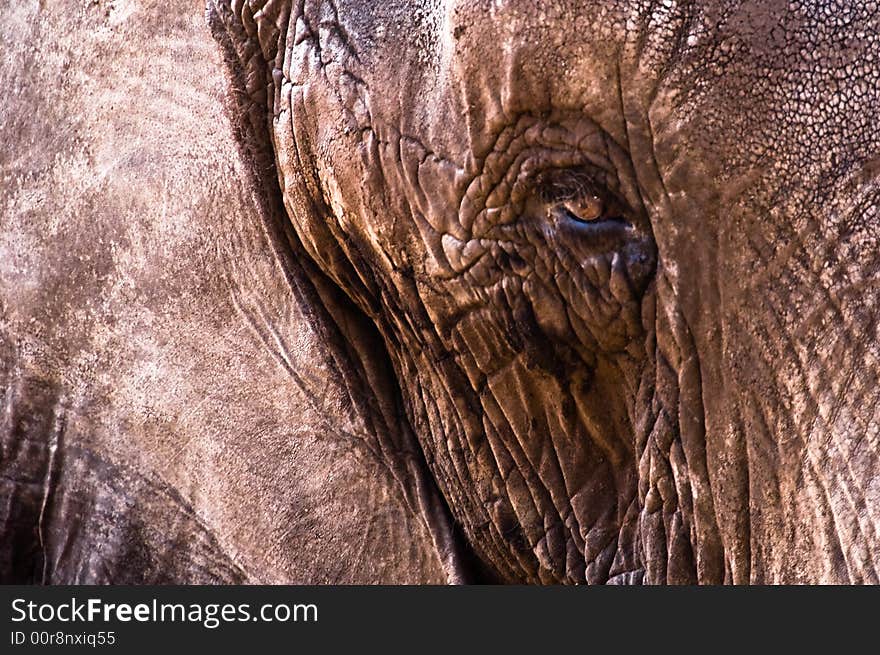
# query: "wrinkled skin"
462,291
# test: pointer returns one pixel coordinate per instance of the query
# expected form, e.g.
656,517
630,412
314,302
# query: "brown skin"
678,389
481,294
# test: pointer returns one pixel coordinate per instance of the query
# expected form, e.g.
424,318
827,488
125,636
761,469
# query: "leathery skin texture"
622,256
440,291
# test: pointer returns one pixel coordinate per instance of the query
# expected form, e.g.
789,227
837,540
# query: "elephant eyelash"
559,185
576,193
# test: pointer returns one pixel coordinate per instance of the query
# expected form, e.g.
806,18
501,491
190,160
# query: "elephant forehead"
454,74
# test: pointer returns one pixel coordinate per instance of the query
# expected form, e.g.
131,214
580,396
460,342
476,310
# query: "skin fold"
464,291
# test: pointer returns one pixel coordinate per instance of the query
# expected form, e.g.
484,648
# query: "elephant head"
622,257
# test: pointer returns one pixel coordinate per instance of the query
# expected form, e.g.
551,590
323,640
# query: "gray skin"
462,291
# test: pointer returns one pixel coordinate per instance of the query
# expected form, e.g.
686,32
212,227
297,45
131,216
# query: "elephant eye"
576,196
584,209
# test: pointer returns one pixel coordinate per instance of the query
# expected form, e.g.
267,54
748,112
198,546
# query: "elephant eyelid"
573,184
559,185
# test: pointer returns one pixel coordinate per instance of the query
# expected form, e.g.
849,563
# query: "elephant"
472,291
